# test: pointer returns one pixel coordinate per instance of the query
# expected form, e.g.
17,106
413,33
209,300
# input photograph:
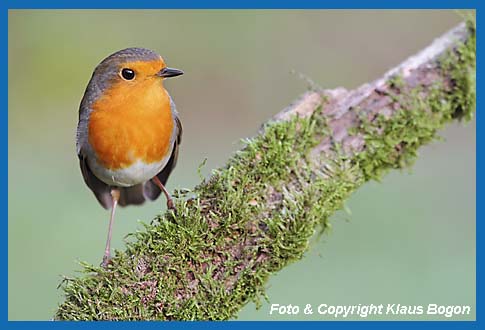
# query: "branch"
257,214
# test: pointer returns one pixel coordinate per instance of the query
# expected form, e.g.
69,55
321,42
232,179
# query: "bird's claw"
106,261
170,204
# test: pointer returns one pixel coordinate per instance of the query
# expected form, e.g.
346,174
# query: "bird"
129,132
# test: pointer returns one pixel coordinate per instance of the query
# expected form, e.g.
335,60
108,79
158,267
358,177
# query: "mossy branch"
257,214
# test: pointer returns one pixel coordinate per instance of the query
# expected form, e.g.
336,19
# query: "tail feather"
100,189
132,195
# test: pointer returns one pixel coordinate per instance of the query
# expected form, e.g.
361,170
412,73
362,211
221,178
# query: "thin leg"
170,203
115,194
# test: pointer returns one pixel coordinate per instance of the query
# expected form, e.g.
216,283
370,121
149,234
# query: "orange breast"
130,123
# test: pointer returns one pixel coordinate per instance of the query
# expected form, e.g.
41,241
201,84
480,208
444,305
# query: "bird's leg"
115,195
170,203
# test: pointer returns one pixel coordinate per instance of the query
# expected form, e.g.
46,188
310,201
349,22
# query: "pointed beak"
169,72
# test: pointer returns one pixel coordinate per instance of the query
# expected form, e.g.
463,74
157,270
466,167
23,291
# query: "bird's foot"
171,204
106,261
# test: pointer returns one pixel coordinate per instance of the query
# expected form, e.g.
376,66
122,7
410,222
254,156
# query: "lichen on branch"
256,215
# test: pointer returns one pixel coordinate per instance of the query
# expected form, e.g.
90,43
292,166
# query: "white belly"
135,174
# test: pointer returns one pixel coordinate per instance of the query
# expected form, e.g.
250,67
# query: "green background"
410,239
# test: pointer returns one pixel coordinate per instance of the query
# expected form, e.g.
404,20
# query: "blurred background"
410,239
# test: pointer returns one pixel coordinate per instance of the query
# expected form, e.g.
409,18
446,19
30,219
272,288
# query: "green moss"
461,65
242,225
412,125
257,214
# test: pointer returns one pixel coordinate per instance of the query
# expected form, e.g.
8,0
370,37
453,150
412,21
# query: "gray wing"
128,195
151,190
100,189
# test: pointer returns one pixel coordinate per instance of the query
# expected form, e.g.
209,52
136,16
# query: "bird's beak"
169,72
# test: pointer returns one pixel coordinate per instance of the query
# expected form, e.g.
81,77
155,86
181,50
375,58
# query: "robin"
128,134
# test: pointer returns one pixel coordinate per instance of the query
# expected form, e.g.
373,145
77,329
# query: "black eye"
128,74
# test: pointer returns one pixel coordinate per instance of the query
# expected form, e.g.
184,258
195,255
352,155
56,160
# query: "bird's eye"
127,74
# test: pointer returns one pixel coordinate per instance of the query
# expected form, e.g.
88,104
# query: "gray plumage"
103,76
